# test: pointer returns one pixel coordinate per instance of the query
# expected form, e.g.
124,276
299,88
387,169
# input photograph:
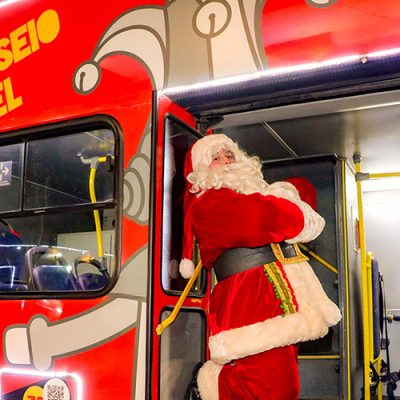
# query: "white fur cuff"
207,380
313,224
186,268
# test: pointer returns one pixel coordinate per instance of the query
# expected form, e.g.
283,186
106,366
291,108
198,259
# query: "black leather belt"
241,259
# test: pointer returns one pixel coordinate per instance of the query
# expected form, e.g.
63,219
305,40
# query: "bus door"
181,346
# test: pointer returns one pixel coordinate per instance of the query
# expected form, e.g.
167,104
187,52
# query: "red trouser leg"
271,375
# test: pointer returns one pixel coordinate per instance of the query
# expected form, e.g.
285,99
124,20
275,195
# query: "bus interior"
323,140
53,190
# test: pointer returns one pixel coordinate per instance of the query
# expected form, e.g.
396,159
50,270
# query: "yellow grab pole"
346,280
368,266
364,284
384,175
316,357
318,258
94,162
96,213
378,368
168,321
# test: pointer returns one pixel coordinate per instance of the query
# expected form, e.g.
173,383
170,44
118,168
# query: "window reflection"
178,140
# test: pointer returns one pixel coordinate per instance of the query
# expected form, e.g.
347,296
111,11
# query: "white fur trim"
313,222
328,308
308,323
207,380
262,336
283,190
186,268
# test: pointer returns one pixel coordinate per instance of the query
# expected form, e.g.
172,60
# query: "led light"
5,3
363,58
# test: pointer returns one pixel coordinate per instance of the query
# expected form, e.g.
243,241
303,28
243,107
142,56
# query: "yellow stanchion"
378,368
346,281
168,321
364,286
368,266
96,213
318,258
94,162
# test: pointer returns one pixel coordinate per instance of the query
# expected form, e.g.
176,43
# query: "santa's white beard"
243,177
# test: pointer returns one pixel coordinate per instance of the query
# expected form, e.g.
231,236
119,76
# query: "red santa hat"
306,189
198,156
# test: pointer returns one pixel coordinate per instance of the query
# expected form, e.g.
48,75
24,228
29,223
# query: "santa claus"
267,298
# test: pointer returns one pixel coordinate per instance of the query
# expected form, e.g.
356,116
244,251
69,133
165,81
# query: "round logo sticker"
33,392
56,389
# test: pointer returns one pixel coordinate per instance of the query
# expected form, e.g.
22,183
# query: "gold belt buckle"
278,253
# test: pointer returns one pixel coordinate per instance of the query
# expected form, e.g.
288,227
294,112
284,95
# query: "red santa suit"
258,315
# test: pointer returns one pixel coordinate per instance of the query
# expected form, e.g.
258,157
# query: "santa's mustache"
234,168
240,176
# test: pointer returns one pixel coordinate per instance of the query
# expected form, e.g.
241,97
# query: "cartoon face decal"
183,42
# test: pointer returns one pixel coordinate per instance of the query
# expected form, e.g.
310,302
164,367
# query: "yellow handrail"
96,213
320,357
346,282
94,162
318,258
364,285
169,320
384,175
380,386
368,266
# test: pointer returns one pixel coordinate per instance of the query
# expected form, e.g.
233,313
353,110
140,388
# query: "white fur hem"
207,380
262,336
315,314
328,308
186,268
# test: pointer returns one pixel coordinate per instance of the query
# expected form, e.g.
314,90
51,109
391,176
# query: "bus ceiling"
334,108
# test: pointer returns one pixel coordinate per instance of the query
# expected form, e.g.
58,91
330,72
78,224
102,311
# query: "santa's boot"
193,392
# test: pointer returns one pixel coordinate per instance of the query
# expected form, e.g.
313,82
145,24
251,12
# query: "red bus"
99,103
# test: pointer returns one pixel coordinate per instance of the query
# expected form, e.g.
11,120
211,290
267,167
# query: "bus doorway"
178,343
315,139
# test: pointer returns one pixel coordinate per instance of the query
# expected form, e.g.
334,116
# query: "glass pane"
178,139
58,169
182,349
57,252
10,176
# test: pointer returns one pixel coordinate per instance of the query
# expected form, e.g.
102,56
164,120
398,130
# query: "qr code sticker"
56,389
55,392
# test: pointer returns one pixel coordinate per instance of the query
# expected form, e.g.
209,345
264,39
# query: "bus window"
61,236
10,176
51,163
182,348
178,139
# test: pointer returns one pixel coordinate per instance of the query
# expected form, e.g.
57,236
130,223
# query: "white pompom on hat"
200,154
